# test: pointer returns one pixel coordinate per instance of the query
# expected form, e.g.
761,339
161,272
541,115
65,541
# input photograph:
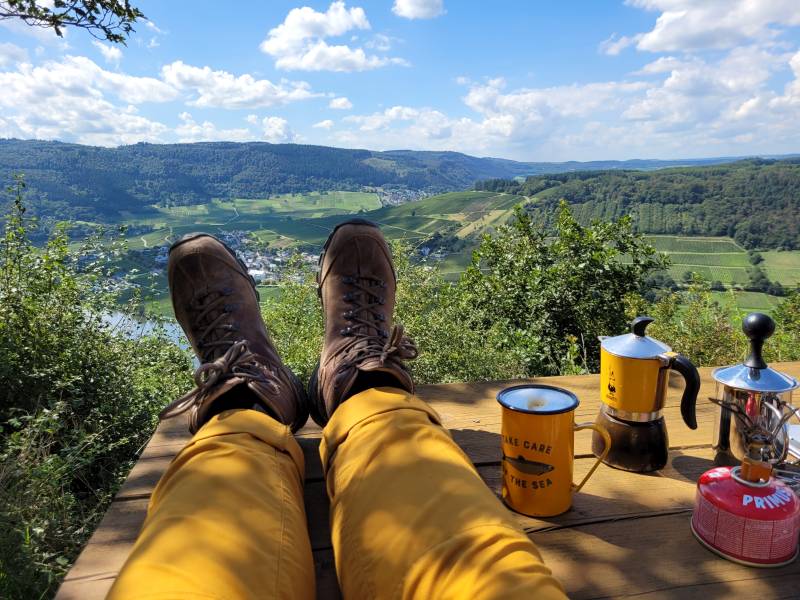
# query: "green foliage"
79,399
695,325
433,312
709,332
294,319
553,297
455,339
111,20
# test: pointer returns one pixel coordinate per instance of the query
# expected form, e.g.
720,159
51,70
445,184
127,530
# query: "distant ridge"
87,182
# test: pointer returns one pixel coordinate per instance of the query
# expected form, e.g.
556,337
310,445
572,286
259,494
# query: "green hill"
71,181
755,202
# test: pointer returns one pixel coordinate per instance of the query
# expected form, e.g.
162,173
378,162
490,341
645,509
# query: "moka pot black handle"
689,399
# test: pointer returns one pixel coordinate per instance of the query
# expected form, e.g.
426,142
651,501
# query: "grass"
673,243
747,301
274,218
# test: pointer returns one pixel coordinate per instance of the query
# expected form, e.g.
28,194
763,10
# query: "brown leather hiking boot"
357,285
216,303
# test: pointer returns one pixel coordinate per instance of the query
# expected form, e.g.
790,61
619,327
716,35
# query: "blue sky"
529,80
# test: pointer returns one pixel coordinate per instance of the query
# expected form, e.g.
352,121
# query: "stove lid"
747,378
754,374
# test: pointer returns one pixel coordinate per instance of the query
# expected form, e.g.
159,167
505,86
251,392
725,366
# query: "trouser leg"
410,516
227,518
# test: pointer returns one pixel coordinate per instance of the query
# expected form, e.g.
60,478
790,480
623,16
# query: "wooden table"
626,535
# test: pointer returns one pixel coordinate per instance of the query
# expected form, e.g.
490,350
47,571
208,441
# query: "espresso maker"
755,403
634,373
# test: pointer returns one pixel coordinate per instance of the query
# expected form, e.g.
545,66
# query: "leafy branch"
111,20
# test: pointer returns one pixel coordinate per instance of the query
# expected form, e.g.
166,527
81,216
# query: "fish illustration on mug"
529,467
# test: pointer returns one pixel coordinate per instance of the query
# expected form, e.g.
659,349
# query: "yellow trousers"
410,517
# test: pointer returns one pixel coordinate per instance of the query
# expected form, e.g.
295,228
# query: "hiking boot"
362,349
216,304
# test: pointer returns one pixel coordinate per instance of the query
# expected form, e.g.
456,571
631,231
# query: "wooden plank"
94,572
657,556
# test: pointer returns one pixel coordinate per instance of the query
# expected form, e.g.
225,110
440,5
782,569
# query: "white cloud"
379,42
299,42
614,44
418,9
153,27
190,131
341,103
677,106
326,124
68,100
111,54
277,130
11,54
689,25
221,89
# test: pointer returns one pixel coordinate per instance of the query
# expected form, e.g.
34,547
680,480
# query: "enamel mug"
538,442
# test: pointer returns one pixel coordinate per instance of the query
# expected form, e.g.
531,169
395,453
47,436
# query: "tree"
554,292
111,20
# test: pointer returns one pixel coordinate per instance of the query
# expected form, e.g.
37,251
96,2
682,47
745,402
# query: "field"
303,220
281,220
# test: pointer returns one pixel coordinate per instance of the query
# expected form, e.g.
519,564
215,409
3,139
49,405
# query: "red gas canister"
746,518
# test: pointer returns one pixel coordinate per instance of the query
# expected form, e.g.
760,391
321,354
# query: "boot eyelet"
384,333
345,332
348,314
348,297
379,317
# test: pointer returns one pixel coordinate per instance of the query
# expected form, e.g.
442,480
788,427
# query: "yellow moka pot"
634,373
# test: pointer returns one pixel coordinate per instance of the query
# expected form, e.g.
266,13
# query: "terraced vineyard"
297,220
285,219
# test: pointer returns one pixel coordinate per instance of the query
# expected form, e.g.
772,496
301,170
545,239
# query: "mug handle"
606,447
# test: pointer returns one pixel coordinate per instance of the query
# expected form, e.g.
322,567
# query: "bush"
79,400
433,312
551,293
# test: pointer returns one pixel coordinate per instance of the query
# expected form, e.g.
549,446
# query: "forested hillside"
756,202
70,181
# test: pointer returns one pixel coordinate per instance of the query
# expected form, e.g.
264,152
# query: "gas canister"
745,515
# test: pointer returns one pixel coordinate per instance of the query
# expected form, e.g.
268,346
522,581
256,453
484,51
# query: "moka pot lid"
635,344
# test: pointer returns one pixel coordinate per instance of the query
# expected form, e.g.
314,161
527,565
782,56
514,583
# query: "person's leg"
227,519
410,517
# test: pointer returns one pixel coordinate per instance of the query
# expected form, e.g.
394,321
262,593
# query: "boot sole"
316,404
319,413
303,408
191,236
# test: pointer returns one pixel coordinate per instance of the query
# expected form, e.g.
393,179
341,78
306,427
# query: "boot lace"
237,361
216,334
370,339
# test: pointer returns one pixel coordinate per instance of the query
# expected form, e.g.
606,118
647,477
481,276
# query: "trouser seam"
276,466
